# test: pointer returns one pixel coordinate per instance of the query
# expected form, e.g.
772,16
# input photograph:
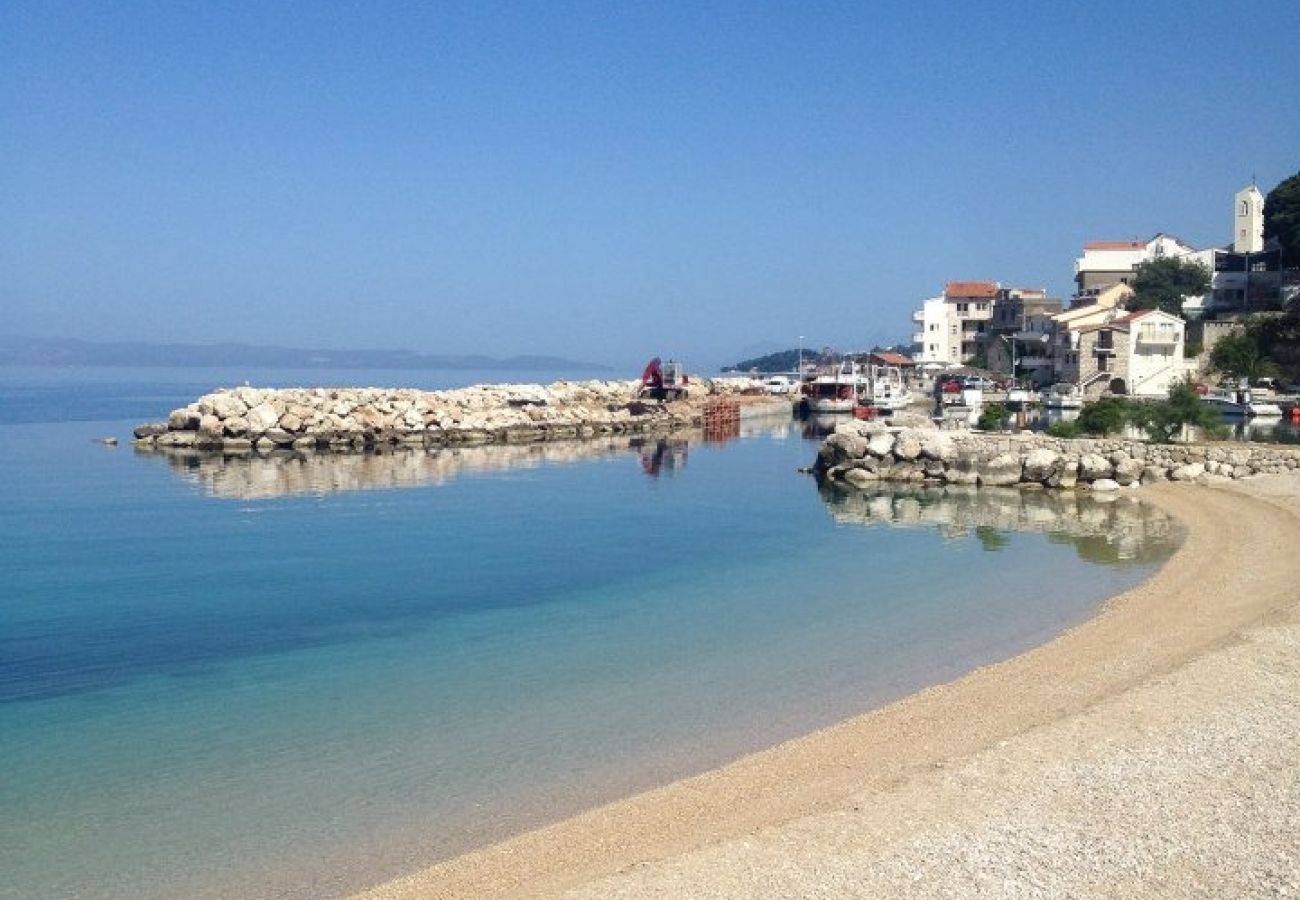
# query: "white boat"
1239,402
886,392
1063,396
837,391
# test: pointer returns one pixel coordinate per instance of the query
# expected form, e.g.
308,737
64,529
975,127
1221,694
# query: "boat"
836,391
885,392
1063,396
1228,401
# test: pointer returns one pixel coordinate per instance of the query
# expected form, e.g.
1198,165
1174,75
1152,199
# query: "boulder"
227,406
211,424
150,429
1187,472
184,419
1128,470
1105,484
860,477
939,446
235,427
1154,473
262,417
907,445
278,436
1093,466
1041,464
880,444
1000,471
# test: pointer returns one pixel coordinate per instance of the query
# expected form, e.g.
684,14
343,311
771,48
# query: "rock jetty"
861,453
249,419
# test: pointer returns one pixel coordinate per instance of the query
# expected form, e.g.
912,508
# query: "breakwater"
861,453
256,420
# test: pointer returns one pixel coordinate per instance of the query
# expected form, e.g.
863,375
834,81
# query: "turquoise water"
298,677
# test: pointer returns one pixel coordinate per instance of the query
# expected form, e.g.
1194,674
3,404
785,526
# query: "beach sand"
1151,751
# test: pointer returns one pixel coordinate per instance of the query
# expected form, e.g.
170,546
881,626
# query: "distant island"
781,361
18,350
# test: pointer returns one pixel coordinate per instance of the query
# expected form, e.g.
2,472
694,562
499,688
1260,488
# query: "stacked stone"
246,419
860,453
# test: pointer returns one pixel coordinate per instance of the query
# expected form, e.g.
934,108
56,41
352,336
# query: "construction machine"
663,381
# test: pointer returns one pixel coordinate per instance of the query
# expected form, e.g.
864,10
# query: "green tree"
1105,416
1162,283
1282,219
1242,356
1163,421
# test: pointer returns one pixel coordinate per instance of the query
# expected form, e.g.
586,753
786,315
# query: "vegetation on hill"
1282,219
781,361
1162,283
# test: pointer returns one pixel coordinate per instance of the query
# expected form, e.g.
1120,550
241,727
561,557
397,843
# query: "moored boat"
1239,402
1063,396
837,391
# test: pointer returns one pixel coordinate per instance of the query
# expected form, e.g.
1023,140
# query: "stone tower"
1248,220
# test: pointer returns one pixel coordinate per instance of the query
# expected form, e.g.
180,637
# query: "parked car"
780,384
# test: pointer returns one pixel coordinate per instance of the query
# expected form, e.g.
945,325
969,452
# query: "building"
1139,354
936,342
955,325
1019,341
1108,263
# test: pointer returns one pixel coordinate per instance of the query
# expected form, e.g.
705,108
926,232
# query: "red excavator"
663,381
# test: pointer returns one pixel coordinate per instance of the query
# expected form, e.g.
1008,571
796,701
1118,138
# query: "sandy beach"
1151,751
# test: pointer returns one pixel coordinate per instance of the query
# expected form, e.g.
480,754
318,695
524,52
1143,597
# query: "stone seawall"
247,419
861,453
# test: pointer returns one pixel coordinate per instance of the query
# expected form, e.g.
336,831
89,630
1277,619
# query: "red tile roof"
889,358
971,289
1114,245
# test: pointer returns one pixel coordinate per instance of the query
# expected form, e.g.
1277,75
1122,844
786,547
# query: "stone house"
1138,354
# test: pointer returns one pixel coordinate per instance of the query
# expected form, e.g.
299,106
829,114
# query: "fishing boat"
1239,402
836,391
1063,396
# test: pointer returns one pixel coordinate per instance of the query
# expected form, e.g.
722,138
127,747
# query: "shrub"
1063,429
993,417
1165,419
1105,416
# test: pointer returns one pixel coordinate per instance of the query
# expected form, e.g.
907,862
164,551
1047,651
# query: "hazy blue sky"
606,180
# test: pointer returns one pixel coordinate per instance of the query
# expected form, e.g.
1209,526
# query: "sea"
301,676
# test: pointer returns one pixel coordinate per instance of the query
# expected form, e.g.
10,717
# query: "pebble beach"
1151,751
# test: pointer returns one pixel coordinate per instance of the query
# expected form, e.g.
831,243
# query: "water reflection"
1102,528
253,476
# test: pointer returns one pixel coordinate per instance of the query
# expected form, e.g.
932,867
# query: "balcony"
918,337
1033,362
1158,337
918,316
1099,350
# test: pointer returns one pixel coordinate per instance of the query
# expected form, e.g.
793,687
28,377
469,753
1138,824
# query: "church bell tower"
1248,220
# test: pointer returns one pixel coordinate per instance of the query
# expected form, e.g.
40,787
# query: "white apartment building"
955,325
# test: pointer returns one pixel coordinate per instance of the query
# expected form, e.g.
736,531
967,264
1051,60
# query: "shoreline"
697,835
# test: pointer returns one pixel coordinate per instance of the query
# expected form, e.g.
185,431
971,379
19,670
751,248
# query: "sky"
606,181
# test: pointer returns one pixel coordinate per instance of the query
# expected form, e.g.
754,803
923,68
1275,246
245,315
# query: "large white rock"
1093,466
1041,464
939,446
880,444
227,406
907,444
1188,472
1002,470
261,417
1105,484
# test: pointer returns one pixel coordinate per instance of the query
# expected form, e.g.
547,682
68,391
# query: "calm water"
294,677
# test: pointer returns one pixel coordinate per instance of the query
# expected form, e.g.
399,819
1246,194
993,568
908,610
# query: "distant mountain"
37,351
